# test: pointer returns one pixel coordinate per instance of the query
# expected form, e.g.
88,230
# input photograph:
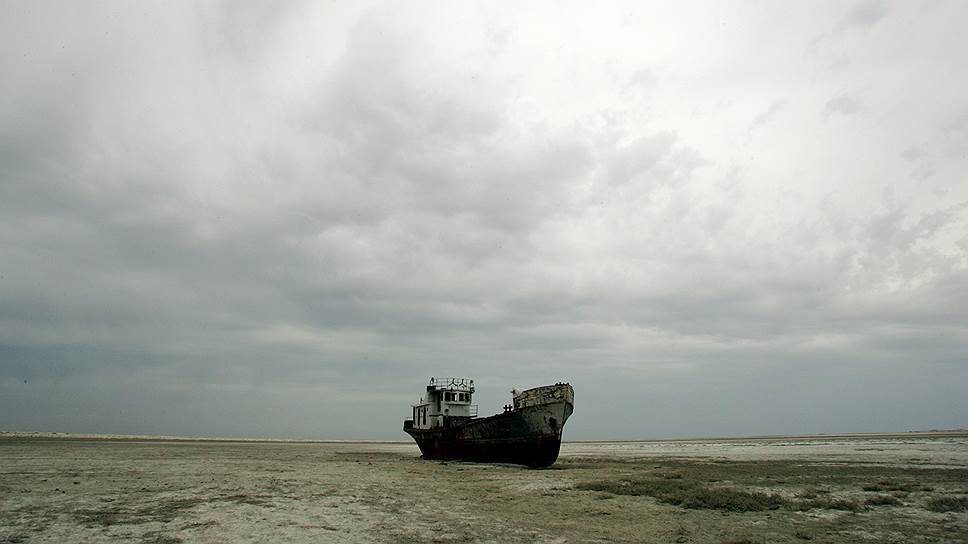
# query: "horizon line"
178,438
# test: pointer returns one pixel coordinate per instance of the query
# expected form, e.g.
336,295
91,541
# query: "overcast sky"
280,219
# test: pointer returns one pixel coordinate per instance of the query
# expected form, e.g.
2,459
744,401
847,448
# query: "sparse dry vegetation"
885,485
829,503
689,494
882,500
162,511
947,504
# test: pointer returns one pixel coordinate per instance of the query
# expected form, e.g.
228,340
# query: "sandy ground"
848,489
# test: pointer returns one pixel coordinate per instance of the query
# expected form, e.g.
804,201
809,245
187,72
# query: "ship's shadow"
514,466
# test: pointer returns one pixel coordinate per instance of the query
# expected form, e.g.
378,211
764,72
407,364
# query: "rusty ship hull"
529,434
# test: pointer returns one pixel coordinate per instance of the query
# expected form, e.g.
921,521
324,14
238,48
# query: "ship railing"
463,384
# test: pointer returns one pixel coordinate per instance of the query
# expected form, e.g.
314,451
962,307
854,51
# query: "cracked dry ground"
68,490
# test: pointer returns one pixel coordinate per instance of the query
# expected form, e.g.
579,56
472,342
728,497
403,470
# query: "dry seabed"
70,490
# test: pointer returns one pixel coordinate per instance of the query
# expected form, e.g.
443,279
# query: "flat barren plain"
911,487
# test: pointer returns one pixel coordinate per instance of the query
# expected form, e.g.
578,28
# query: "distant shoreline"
151,438
831,436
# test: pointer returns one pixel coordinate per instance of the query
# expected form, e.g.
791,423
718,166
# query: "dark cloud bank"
241,222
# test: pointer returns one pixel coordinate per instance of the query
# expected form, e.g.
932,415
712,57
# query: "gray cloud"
913,154
863,15
957,125
842,104
241,221
764,117
642,78
639,157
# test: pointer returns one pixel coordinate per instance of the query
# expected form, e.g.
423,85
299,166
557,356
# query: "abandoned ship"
445,424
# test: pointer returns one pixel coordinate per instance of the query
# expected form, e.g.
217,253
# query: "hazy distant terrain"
900,488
